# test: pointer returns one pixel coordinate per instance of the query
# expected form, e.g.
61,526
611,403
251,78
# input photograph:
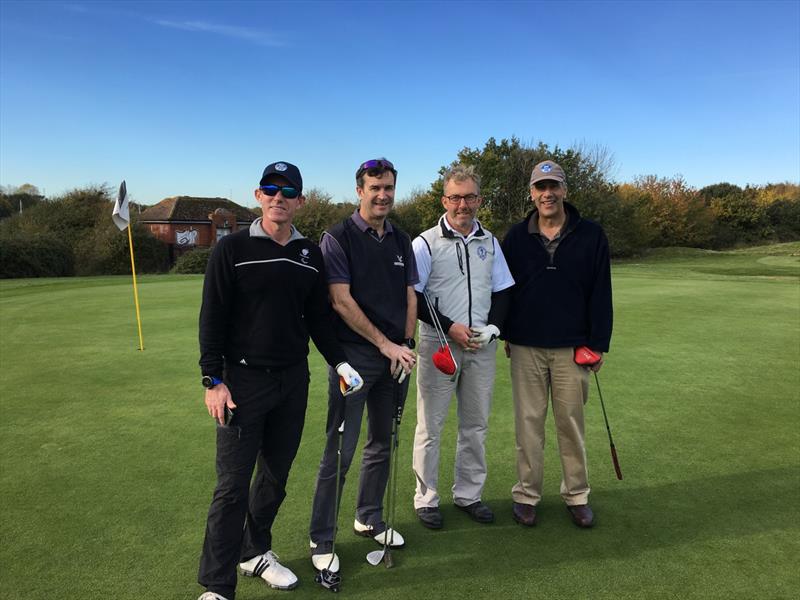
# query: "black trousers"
265,431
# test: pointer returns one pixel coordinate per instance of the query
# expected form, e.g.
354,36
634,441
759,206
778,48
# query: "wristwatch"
410,343
209,381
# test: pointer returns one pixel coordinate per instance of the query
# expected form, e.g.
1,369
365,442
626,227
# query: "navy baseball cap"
286,170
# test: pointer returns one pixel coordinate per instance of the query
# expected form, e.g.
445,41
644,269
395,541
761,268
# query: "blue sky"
196,98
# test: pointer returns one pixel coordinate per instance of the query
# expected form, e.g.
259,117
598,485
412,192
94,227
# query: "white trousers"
473,390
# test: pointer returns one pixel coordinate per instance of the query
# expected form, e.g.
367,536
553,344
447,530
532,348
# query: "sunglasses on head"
375,164
286,190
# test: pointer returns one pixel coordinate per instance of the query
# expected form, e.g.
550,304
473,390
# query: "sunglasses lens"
270,190
288,192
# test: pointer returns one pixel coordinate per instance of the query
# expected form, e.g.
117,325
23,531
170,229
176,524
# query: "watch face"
207,382
410,343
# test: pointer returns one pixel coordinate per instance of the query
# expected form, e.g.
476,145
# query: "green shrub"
35,256
194,261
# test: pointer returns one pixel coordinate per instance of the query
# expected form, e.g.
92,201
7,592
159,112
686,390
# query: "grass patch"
107,452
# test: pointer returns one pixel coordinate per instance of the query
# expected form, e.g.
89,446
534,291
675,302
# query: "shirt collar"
257,231
364,226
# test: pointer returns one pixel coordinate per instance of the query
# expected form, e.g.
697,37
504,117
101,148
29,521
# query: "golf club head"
444,361
348,389
586,357
375,557
329,580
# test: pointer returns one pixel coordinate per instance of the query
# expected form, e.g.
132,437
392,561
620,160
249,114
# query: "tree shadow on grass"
630,521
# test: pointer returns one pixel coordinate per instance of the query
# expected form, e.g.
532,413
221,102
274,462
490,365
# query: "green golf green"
107,452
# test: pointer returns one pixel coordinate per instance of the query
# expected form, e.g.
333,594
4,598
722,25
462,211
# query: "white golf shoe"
395,539
270,570
322,559
211,596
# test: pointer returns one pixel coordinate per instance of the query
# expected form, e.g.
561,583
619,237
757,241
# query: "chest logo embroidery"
304,254
399,261
482,253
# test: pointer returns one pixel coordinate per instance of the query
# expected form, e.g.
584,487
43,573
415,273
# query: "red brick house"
185,222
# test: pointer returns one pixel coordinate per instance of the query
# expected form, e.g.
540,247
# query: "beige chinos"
537,374
473,390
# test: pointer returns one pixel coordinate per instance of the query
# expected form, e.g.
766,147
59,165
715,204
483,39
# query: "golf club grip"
615,460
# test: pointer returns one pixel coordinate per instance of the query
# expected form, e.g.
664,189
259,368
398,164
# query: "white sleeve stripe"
294,262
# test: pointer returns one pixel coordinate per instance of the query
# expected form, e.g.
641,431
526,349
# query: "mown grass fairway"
107,452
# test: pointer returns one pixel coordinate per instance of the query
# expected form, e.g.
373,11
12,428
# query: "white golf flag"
121,215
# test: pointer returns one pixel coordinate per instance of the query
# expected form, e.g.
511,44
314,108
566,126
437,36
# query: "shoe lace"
272,558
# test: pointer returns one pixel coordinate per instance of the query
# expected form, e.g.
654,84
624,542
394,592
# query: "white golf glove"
484,335
351,378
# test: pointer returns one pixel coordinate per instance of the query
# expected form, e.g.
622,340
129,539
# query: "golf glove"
351,378
484,335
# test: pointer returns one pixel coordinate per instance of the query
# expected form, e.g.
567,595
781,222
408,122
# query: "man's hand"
508,350
598,365
461,335
484,335
402,359
352,379
217,398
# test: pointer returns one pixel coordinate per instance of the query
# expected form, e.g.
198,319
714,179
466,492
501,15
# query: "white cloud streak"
254,36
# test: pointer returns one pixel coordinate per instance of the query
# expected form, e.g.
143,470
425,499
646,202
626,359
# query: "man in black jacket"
561,300
264,293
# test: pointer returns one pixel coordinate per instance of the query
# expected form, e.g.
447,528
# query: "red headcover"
586,357
443,360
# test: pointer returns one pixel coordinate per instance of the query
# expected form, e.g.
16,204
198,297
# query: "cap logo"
545,168
280,166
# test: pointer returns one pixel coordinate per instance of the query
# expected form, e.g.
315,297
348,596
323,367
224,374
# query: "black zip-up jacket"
260,302
564,301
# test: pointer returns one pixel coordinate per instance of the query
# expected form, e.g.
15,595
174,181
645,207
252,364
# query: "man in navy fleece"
561,300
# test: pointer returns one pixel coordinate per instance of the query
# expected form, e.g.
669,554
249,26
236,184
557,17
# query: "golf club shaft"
435,320
614,458
336,496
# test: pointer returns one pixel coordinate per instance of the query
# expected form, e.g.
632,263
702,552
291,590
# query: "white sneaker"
270,570
322,560
395,539
211,596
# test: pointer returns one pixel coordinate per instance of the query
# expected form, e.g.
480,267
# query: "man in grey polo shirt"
371,272
463,272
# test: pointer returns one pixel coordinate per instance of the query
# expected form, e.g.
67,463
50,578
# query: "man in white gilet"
465,276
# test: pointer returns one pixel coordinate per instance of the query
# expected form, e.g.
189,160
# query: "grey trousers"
379,394
473,390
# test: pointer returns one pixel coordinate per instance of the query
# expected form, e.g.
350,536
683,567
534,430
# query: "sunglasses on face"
285,190
541,186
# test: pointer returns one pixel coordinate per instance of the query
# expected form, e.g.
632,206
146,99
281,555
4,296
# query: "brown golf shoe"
524,514
582,515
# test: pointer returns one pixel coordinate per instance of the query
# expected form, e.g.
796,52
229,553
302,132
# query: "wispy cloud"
254,36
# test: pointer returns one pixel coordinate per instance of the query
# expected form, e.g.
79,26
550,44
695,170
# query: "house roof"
189,208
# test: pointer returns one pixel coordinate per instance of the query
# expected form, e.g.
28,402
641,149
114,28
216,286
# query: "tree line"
73,234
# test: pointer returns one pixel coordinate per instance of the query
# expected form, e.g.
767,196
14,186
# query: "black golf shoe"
478,512
430,517
582,515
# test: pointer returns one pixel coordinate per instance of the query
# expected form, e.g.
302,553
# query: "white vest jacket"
460,281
